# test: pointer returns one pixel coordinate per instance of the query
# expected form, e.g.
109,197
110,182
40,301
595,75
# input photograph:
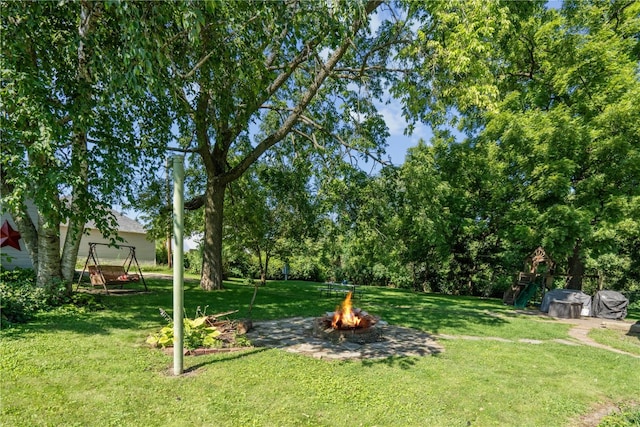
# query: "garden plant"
71,366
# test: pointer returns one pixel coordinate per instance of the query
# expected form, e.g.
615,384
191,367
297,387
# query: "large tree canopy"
536,143
549,95
77,128
534,110
285,71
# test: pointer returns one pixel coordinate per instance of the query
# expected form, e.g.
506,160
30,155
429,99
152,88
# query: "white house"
129,229
13,252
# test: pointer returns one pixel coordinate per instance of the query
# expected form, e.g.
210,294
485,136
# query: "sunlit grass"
94,369
618,339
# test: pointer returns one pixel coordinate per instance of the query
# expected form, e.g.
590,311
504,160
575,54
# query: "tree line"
533,109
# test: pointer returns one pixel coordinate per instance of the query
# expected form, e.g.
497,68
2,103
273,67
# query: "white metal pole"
178,264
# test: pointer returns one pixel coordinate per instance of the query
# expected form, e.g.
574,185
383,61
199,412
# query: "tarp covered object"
610,305
569,295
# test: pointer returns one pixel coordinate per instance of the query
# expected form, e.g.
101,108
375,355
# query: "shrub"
197,333
162,256
237,264
21,299
193,261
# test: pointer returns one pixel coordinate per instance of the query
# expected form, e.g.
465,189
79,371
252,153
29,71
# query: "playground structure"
108,274
539,273
539,270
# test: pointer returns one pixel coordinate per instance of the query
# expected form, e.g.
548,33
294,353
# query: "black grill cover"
609,305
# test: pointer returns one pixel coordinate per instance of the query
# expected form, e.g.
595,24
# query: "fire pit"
348,324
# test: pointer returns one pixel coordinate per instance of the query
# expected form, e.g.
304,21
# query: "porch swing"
106,275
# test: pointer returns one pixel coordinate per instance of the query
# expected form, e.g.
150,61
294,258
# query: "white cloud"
392,115
398,142
325,53
375,22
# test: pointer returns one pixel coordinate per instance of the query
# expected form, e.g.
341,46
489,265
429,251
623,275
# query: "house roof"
125,224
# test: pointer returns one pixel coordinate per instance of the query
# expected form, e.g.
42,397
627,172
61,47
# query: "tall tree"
373,249
240,66
551,91
71,110
270,209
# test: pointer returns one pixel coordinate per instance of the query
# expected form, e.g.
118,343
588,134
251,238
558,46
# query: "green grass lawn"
70,368
621,340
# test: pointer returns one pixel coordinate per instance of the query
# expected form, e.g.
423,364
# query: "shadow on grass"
403,362
219,358
635,331
276,300
435,313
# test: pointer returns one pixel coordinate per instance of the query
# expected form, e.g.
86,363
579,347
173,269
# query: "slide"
527,293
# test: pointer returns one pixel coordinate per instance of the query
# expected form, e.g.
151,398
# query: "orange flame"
344,317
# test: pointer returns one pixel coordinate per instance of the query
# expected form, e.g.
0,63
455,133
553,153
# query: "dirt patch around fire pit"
296,335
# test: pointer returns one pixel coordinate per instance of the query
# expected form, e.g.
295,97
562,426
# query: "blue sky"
398,142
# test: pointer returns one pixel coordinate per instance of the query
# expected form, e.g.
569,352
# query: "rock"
244,326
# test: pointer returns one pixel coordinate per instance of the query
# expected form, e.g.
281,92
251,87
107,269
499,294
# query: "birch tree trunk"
48,253
28,232
88,13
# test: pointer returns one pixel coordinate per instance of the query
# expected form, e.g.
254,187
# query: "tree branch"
195,203
182,150
208,55
291,120
338,138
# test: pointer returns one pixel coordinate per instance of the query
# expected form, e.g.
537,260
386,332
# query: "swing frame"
104,274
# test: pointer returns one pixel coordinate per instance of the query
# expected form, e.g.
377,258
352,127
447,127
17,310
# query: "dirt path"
582,326
578,334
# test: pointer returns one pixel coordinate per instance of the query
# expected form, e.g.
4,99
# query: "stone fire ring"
296,335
